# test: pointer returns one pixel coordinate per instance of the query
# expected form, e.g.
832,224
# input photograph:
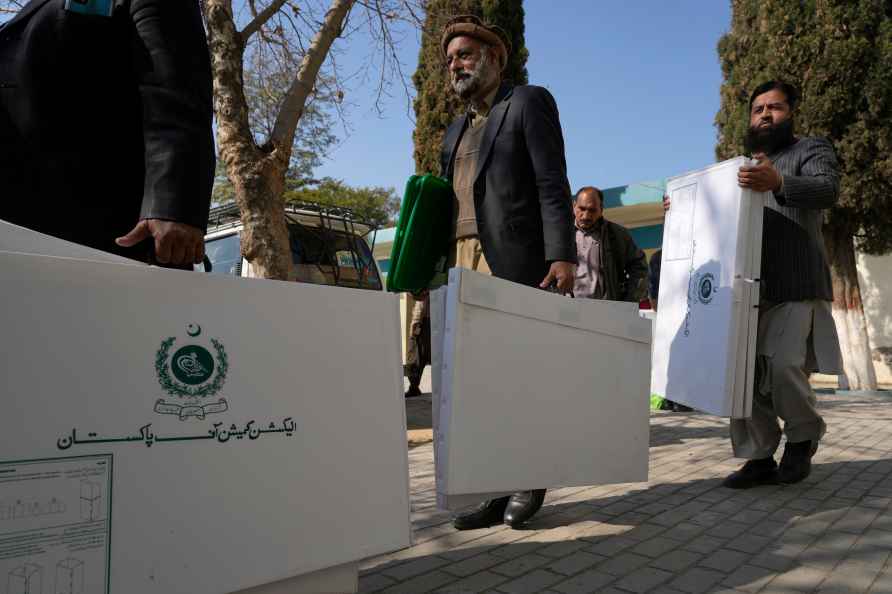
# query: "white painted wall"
875,277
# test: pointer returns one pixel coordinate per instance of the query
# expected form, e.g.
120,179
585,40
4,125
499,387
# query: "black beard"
769,140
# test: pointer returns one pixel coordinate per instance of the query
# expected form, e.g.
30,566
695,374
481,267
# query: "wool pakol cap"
472,26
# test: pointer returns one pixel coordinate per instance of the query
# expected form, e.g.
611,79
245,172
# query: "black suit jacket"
105,120
521,192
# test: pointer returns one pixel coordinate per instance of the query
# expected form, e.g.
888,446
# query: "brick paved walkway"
680,532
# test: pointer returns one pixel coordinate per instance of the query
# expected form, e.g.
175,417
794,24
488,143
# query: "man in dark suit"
105,125
513,215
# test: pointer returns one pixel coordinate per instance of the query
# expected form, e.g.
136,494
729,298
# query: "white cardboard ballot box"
704,340
535,390
20,240
167,431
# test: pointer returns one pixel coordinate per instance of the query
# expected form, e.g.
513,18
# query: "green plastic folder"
421,242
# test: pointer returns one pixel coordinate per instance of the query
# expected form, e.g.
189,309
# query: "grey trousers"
794,339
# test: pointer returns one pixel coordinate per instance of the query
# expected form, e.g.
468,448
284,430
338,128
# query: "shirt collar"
782,149
483,109
596,228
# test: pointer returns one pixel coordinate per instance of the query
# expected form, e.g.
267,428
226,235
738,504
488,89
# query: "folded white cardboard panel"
749,314
438,336
196,433
704,341
535,390
22,240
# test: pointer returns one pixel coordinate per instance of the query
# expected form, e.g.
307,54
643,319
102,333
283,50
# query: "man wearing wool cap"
513,216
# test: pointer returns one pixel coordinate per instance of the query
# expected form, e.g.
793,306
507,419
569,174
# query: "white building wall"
875,277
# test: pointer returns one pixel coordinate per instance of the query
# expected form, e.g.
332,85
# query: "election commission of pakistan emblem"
192,374
705,287
701,287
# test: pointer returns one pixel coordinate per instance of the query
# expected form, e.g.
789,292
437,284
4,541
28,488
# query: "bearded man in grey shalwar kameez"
796,333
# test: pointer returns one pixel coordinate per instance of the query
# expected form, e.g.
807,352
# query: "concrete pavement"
681,532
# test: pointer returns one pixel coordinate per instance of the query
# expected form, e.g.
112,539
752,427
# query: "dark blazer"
794,257
521,192
105,120
653,277
623,264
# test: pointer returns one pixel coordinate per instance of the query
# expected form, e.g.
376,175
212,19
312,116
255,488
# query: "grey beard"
469,86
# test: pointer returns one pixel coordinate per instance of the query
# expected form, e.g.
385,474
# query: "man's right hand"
175,243
665,203
562,274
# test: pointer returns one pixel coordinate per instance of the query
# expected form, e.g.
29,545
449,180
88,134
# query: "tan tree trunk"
848,312
258,172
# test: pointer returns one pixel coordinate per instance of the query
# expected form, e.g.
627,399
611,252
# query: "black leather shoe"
413,391
484,515
795,465
754,473
523,506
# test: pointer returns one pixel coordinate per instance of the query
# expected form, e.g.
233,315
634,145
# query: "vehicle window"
328,257
346,259
224,254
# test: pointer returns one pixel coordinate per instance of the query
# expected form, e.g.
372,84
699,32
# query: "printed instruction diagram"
91,500
25,579
70,576
55,526
15,509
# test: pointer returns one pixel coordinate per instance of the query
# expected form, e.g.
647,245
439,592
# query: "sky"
636,83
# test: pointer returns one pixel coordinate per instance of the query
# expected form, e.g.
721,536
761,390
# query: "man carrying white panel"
796,334
505,161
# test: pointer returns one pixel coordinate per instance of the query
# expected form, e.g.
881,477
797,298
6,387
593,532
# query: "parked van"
328,245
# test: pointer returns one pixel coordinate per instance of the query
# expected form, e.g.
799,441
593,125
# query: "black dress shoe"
413,391
795,465
523,506
754,473
484,515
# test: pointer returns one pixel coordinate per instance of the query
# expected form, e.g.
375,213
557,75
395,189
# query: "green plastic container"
421,242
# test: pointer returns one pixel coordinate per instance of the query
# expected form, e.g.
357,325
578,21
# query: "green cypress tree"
436,105
838,54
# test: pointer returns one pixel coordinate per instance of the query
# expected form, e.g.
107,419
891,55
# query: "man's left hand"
563,274
761,177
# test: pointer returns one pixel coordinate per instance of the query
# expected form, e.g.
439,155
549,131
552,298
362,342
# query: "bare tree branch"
416,19
260,19
389,46
10,6
276,82
382,81
295,99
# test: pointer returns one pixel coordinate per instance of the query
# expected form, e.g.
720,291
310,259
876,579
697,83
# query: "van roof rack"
308,215
229,213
